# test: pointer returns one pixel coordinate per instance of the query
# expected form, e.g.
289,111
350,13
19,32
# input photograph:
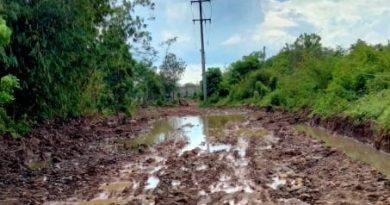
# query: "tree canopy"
171,69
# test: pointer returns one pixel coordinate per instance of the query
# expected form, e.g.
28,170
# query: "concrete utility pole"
202,51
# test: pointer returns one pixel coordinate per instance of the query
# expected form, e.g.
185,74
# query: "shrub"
7,125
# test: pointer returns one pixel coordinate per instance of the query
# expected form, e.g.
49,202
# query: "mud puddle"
195,130
354,149
234,159
202,155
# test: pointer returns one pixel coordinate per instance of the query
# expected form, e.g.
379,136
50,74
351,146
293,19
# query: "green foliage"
5,33
171,70
370,106
149,86
240,68
257,81
8,84
354,82
214,78
7,125
73,58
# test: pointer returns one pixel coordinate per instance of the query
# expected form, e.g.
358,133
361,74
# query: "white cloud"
270,23
193,73
337,22
233,40
175,11
272,31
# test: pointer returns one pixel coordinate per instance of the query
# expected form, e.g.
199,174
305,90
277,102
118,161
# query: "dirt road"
211,156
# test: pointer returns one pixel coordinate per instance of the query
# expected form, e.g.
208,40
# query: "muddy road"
188,155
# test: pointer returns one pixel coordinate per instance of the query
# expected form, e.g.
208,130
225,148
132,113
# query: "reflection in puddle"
227,188
277,183
175,183
194,129
242,145
216,147
152,183
351,147
201,167
200,132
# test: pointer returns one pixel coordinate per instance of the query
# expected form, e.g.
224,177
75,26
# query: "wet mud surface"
194,156
365,132
62,159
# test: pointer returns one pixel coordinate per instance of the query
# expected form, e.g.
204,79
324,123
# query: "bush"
7,125
370,107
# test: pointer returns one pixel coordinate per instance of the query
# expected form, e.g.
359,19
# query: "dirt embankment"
58,158
363,132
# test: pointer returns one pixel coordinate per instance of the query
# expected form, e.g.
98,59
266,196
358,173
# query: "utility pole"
202,51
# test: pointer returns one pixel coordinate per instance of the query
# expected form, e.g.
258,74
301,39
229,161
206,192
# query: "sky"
239,27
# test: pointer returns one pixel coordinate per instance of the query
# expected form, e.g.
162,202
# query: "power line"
202,20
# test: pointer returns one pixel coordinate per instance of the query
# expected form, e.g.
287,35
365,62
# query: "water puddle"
175,183
194,129
354,149
152,183
277,183
220,145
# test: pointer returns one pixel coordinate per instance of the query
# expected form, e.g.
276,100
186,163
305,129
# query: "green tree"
214,78
171,70
149,87
8,84
72,57
240,68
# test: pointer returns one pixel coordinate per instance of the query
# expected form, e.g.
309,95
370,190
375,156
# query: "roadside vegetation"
351,82
67,59
71,58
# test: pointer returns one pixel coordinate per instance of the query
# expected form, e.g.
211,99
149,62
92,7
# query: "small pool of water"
195,129
354,149
277,183
152,183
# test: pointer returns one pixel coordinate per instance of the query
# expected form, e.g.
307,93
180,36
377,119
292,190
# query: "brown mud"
60,159
260,159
